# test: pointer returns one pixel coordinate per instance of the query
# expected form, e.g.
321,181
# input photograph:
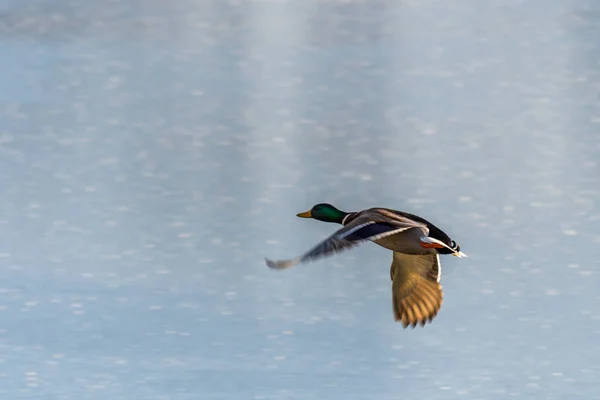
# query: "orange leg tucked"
431,245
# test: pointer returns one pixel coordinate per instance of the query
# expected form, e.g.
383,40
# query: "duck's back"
434,231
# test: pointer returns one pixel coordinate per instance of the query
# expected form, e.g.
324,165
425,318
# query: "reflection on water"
152,154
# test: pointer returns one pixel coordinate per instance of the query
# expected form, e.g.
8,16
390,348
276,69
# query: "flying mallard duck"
416,244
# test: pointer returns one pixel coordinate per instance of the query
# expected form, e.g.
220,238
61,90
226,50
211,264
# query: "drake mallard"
416,245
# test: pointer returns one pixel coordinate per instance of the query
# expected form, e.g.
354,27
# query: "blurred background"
152,153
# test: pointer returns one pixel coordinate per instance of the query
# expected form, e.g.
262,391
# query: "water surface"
151,154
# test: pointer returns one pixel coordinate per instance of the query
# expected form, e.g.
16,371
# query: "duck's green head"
324,212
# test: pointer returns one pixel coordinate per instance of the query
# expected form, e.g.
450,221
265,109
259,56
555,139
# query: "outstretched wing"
416,292
360,229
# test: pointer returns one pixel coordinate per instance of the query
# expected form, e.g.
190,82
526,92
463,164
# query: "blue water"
152,154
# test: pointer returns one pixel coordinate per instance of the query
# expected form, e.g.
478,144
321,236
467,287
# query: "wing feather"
363,227
416,292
